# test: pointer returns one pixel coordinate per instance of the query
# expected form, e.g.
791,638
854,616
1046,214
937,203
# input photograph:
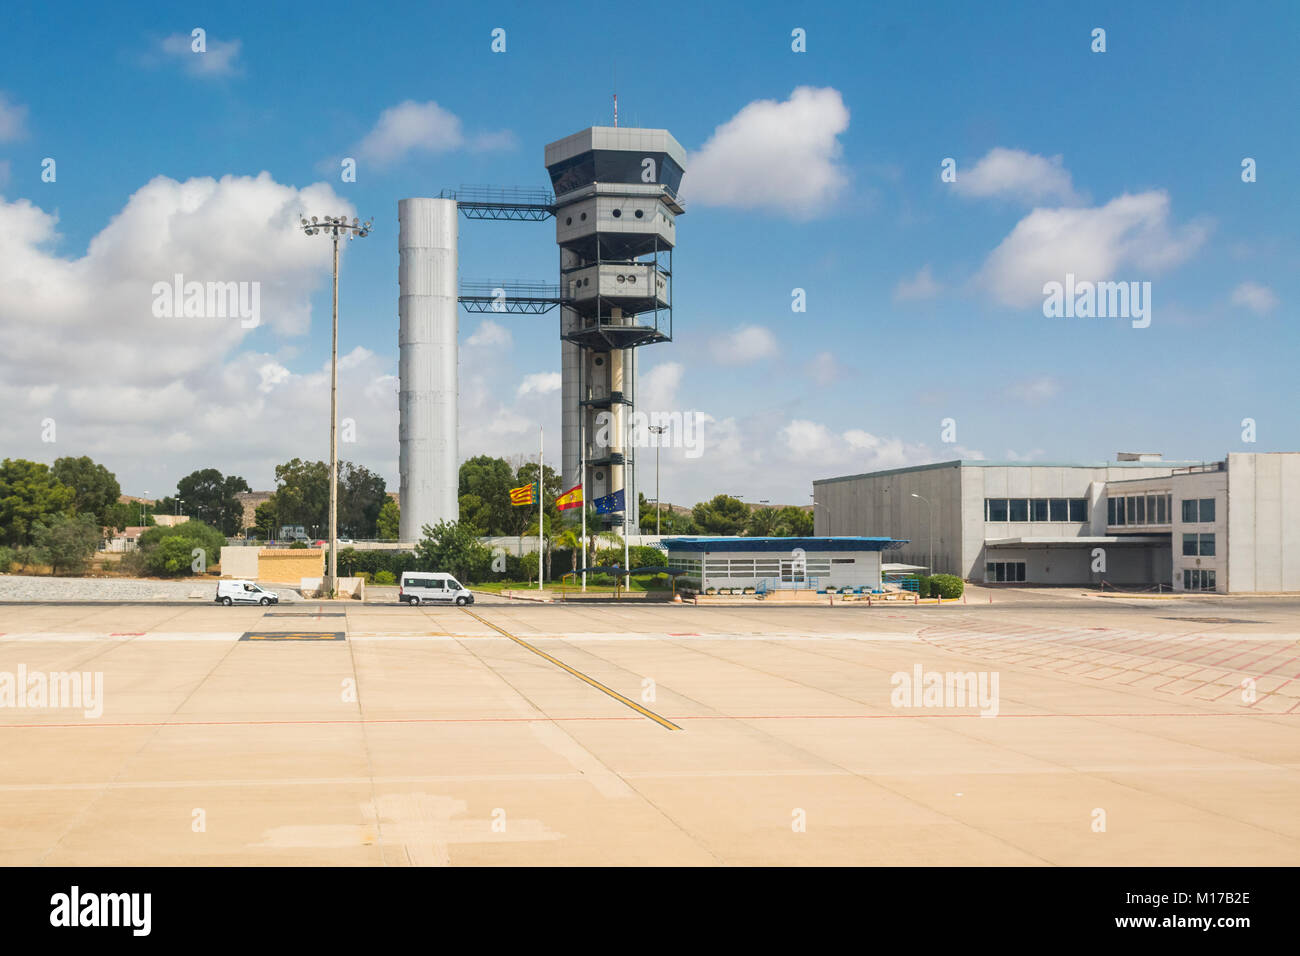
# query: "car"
244,592
432,587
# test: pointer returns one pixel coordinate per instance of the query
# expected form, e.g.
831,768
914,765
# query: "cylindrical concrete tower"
616,212
428,310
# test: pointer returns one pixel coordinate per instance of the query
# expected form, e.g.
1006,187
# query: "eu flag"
610,503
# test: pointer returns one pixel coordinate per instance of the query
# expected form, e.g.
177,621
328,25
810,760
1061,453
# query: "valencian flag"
523,495
610,503
570,499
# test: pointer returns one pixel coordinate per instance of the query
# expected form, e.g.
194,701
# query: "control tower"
616,212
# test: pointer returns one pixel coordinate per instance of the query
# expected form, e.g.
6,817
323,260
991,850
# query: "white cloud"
815,445
218,58
273,374
13,119
920,286
154,398
1035,391
1131,232
766,455
501,139
1258,298
490,335
539,383
743,345
1015,174
824,368
774,155
411,127
657,387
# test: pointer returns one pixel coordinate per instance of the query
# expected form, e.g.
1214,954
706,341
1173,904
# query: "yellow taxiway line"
663,722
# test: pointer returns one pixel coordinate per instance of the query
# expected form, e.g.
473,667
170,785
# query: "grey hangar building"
1228,526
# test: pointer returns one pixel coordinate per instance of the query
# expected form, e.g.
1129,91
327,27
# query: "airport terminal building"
1230,526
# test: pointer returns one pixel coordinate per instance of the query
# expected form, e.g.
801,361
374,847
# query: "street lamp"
658,430
335,227
930,523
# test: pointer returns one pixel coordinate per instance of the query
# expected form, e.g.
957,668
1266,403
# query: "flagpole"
540,485
582,483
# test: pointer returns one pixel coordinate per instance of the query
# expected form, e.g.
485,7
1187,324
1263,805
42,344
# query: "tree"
795,522
302,494
449,546
763,523
68,542
265,522
484,490
549,524
570,538
647,512
210,497
162,548
29,494
388,522
476,513
127,514
362,495
94,487
721,515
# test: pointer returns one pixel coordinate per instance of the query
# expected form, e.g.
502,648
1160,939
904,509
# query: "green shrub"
298,546
946,585
385,577
6,559
357,563
168,551
644,556
68,542
173,555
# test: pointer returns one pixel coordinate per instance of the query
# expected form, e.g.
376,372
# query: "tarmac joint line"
662,721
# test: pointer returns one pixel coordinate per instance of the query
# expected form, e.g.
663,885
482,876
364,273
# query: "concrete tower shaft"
428,311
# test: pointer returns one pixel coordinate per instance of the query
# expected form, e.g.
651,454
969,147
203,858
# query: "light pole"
335,227
657,430
929,521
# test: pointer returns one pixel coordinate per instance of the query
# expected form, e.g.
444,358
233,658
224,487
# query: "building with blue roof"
842,562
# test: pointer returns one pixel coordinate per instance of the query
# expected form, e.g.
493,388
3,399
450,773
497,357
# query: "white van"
244,592
432,587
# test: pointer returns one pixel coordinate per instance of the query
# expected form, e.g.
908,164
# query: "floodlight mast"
335,227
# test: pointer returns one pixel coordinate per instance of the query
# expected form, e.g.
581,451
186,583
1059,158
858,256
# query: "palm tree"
568,538
547,540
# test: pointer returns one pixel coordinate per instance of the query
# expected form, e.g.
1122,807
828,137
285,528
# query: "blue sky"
911,318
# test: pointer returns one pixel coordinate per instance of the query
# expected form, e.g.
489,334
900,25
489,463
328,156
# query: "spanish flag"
523,495
570,499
